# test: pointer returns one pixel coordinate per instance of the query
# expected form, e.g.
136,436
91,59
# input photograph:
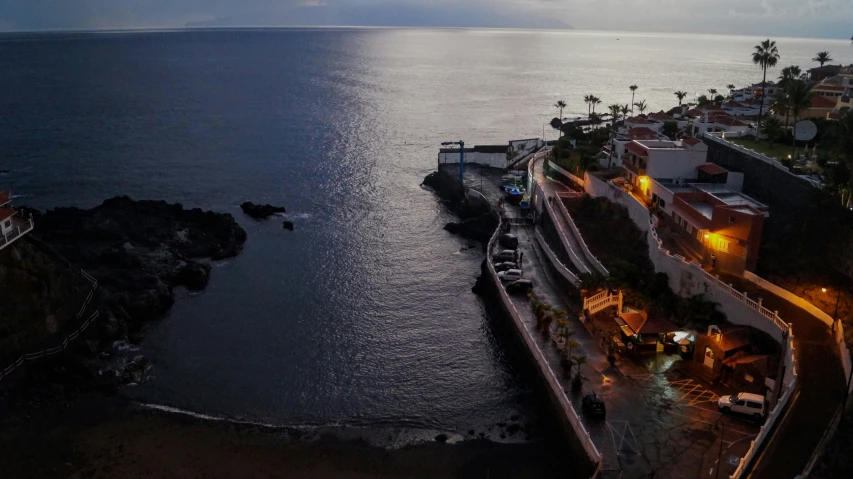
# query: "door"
740,407
709,358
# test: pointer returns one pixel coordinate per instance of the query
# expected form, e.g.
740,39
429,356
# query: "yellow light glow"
707,236
823,289
643,179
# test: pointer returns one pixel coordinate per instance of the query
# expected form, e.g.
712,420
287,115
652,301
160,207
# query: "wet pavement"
659,420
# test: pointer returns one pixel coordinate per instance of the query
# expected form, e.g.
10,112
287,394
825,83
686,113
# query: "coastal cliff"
139,251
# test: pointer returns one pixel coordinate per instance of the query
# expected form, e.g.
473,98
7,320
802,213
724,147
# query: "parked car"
743,403
505,266
506,255
510,275
509,241
520,286
593,405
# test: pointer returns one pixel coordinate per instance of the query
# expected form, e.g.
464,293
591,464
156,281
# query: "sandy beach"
108,437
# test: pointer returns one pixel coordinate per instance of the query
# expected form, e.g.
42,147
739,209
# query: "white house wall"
675,163
495,160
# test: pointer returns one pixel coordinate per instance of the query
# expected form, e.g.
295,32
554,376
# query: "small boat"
514,192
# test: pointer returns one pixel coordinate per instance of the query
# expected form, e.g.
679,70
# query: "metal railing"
68,339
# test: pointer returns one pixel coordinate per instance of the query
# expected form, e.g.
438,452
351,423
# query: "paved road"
658,419
820,390
569,240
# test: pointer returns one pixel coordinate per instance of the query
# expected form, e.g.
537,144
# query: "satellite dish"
805,130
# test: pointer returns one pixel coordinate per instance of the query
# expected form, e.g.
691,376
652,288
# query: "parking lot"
659,419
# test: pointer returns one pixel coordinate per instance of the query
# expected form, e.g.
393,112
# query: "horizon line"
569,30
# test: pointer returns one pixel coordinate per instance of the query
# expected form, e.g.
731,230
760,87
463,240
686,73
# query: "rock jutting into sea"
261,211
138,251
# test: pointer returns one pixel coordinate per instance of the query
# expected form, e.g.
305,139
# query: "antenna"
805,130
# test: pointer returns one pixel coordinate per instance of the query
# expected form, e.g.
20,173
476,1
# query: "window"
661,203
719,244
740,403
8,223
731,219
753,405
748,378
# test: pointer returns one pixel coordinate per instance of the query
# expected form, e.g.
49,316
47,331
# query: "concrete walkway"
658,419
820,390
570,241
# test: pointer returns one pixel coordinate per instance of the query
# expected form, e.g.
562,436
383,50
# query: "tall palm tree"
766,55
788,75
595,101
642,106
680,95
731,88
633,89
560,105
588,100
780,106
713,95
625,110
614,112
799,98
822,57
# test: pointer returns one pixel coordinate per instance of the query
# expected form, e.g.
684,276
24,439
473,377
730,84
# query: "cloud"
758,17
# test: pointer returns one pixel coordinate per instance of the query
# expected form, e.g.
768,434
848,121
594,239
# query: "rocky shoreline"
478,220
139,252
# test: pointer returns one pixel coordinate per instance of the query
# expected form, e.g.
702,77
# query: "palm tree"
766,55
680,95
625,110
633,89
773,129
788,75
588,100
560,105
595,101
712,92
642,106
799,98
731,88
822,57
780,106
614,112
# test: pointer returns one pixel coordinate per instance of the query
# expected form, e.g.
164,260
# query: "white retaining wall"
558,265
584,248
576,180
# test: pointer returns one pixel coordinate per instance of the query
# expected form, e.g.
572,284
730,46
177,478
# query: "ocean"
362,317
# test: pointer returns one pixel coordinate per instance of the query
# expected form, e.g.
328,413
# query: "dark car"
505,266
505,255
593,405
520,286
509,241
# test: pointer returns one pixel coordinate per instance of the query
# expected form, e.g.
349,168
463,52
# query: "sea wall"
582,447
570,426
494,159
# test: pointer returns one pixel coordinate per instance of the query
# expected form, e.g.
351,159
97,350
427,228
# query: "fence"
574,179
553,383
602,300
559,266
71,337
790,297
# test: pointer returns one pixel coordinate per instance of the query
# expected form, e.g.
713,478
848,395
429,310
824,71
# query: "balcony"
20,227
634,169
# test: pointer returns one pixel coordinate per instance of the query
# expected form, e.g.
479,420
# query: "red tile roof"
641,323
823,102
689,140
712,169
636,149
6,213
637,120
729,121
660,116
824,87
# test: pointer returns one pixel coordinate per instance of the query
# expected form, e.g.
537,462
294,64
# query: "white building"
12,225
664,159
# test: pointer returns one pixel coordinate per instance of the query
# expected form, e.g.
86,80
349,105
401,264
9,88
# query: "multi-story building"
13,225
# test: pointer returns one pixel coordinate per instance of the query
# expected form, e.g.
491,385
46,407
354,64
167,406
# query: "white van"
744,403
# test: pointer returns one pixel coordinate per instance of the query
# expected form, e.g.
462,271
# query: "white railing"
574,179
602,300
71,337
586,252
565,404
558,265
788,389
580,264
790,297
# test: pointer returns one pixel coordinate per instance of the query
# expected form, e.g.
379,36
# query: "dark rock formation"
287,225
260,211
479,227
441,438
138,251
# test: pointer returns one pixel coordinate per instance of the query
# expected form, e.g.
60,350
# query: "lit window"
731,219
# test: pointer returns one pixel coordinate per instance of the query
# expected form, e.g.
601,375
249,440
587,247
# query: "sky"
789,18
